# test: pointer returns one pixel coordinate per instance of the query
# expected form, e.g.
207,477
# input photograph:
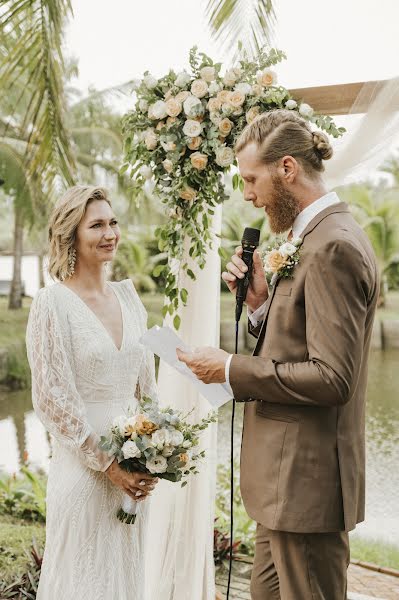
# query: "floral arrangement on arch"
181,136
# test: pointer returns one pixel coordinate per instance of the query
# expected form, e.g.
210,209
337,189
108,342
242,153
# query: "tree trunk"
15,299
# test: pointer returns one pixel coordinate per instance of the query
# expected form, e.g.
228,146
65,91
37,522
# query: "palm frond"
17,183
248,21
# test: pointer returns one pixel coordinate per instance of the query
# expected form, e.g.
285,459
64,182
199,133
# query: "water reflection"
21,431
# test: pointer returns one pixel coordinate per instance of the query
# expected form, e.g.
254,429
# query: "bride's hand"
137,485
258,290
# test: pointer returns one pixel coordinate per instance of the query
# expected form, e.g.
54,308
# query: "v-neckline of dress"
98,318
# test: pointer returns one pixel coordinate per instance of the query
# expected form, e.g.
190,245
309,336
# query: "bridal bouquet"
160,442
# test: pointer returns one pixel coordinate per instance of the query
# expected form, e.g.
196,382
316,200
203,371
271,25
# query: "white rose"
182,96
146,172
287,249
237,99
214,88
158,464
130,450
150,82
176,438
291,104
208,74
199,88
182,79
227,109
167,165
230,78
160,438
215,118
192,128
224,156
143,105
158,110
267,77
244,88
305,110
193,107
173,107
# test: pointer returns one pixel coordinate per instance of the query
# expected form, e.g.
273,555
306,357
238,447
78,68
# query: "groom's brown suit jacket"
303,446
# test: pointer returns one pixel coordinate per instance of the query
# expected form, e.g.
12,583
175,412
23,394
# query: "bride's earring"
71,261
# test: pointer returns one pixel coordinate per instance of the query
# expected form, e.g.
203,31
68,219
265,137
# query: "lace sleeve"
54,395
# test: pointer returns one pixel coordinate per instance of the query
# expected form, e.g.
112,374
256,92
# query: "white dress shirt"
298,227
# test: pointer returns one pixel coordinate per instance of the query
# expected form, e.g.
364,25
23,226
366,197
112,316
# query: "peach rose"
267,77
214,104
173,107
144,426
276,261
183,457
199,161
188,193
224,96
150,139
195,143
252,114
225,126
167,165
237,99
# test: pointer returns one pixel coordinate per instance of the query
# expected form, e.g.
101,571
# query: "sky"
326,42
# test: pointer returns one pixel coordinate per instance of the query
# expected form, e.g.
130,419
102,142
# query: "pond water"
21,431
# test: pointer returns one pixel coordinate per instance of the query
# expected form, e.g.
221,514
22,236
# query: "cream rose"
199,88
208,74
195,143
227,109
224,156
173,107
192,128
275,261
267,77
305,110
199,161
182,79
215,118
224,96
150,139
256,90
237,99
291,104
252,114
182,96
193,107
158,110
167,165
225,126
188,193
214,88
244,88
214,104
230,78
158,464
287,249
130,450
176,437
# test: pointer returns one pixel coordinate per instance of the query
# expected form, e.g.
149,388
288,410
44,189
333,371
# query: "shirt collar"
308,213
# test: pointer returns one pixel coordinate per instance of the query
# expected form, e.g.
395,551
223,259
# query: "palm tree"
377,211
248,21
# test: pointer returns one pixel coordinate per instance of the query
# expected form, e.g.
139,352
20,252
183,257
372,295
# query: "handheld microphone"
249,242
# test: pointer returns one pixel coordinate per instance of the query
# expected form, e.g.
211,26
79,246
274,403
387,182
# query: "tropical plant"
26,585
251,21
132,262
23,496
377,211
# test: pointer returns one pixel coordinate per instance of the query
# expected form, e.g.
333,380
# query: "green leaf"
176,322
184,295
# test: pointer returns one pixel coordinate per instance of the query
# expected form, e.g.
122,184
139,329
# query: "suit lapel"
334,208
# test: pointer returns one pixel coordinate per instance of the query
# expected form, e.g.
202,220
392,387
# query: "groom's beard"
283,207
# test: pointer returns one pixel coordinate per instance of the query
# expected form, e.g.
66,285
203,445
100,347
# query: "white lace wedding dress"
80,382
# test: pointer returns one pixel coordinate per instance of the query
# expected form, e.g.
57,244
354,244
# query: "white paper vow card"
163,342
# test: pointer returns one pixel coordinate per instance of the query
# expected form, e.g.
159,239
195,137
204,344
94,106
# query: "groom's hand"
208,364
258,290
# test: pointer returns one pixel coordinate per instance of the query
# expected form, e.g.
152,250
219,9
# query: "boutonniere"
280,260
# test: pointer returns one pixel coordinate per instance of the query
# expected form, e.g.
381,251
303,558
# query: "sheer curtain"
180,563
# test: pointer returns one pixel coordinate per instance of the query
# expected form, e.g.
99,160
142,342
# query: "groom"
303,445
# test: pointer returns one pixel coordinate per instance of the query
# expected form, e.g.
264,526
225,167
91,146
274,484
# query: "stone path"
363,583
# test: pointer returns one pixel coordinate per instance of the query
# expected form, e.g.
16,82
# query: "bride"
87,368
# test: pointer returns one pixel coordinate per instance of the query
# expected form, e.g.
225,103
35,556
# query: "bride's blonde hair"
64,221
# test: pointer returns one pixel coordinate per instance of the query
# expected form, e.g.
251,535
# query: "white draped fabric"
180,562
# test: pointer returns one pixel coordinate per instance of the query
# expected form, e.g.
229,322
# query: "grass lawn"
374,551
12,322
15,539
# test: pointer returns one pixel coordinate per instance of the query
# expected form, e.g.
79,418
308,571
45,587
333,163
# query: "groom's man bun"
283,132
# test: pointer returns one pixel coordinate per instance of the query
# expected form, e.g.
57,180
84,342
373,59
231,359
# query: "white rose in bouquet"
161,438
224,96
182,96
215,118
244,88
227,109
305,110
287,249
237,99
173,107
224,156
291,104
199,88
158,464
146,171
214,104
158,110
182,79
214,88
193,107
130,450
150,82
192,128
230,78
267,77
208,74
176,438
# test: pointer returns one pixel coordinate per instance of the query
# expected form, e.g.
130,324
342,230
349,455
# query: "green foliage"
26,585
132,262
23,496
374,551
16,536
17,374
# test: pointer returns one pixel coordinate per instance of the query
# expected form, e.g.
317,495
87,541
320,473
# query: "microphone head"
250,237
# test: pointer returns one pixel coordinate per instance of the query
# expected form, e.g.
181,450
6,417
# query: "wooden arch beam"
339,99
